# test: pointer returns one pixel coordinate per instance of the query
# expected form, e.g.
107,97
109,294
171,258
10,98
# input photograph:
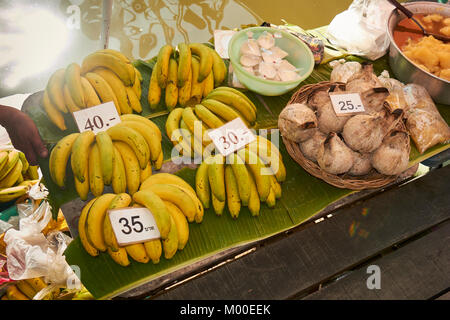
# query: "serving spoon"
409,14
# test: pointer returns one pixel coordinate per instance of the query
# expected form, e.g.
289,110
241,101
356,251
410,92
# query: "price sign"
133,225
346,103
231,137
98,118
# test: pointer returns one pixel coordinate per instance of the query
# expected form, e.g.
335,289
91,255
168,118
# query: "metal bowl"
404,69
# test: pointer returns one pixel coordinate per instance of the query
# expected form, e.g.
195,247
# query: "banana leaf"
303,196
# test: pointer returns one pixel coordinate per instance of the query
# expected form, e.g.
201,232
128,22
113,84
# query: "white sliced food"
268,57
266,40
278,53
284,65
250,47
249,70
267,70
248,60
288,75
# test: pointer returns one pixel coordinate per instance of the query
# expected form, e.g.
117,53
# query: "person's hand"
23,133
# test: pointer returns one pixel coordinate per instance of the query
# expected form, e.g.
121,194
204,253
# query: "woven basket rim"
370,181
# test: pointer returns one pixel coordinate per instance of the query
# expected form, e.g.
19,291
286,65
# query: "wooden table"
403,231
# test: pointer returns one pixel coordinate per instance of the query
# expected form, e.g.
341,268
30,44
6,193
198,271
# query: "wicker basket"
369,181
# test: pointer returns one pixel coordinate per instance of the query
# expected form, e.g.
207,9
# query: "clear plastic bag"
361,29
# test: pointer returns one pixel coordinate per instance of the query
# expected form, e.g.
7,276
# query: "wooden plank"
418,270
294,264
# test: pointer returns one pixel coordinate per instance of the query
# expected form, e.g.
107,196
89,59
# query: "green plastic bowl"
299,55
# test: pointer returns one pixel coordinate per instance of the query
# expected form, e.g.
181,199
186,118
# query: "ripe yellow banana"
171,94
134,139
53,113
196,126
82,188
242,176
154,90
217,205
205,115
240,93
271,199
90,249
208,84
90,96
13,293
33,172
106,149
103,89
177,196
258,169
80,154
233,199
184,92
219,68
276,187
133,101
224,111
159,162
162,63
95,218
202,184
144,120
254,204
9,194
26,289
72,78
121,200
191,141
95,172
236,101
167,178
55,86
170,244
137,252
184,64
154,250
3,158
137,84
132,169
157,207
120,256
122,57
109,61
150,136
145,173
173,123
216,177
13,158
36,283
117,87
206,60
181,224
196,85
119,176
69,101
59,157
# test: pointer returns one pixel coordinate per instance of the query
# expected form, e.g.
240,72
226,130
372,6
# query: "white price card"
133,225
231,137
346,103
98,118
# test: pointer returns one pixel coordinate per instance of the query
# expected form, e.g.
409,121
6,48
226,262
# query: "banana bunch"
245,178
186,75
171,200
220,106
122,157
105,75
24,289
16,175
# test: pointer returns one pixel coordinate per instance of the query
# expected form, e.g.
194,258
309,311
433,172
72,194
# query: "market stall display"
185,87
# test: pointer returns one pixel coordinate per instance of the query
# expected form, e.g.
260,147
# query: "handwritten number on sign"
232,137
349,104
97,121
134,222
